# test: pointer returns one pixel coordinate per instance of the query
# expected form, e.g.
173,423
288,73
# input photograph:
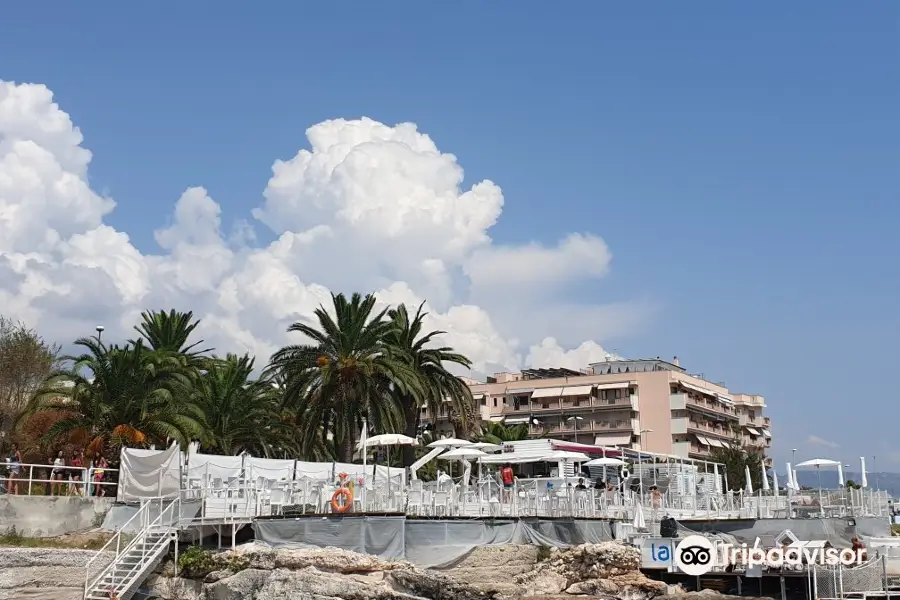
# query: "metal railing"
28,479
140,550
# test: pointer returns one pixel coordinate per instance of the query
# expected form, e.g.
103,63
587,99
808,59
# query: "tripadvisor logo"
695,555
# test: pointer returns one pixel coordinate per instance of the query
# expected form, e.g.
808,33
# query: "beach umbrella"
790,478
747,477
638,521
775,482
818,463
605,462
765,477
386,440
864,481
462,454
840,475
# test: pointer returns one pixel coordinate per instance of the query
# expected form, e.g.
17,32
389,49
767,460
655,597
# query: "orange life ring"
337,506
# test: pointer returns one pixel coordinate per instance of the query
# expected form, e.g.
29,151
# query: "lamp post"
575,420
100,329
641,460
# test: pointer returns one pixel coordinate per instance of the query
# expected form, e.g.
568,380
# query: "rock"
546,582
433,585
594,587
333,560
305,584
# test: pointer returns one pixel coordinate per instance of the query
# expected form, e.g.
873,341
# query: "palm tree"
436,384
169,332
240,413
345,374
497,433
115,396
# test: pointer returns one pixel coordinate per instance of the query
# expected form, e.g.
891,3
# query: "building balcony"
711,407
704,429
586,427
571,406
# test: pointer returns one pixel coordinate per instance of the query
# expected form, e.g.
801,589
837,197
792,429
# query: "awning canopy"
520,392
751,430
766,433
577,390
716,443
697,388
614,386
702,440
516,420
613,439
477,396
725,399
585,448
497,418
547,393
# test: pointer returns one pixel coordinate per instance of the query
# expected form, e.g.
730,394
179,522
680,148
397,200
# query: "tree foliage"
351,363
25,361
736,459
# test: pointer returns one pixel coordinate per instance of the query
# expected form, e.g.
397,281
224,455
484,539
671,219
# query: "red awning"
585,448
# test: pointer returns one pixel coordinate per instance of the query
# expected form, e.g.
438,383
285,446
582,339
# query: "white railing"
140,547
139,520
26,479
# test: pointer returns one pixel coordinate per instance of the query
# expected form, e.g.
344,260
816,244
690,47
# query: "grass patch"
895,529
84,541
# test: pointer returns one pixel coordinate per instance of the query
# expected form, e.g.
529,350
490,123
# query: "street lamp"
100,329
575,420
641,460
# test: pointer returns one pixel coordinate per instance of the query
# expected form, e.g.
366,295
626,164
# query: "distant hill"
808,477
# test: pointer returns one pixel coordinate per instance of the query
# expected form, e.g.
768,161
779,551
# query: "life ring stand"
624,474
336,504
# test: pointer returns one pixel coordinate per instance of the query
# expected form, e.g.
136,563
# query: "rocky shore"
608,570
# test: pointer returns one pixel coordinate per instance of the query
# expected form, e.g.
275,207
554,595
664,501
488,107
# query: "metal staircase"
135,558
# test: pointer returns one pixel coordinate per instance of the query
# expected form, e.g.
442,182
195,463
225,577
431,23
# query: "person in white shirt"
56,475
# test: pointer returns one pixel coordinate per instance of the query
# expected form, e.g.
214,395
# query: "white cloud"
817,441
367,207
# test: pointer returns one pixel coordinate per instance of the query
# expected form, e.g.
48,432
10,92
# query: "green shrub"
196,562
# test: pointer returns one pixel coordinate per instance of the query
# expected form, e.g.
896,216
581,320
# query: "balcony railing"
582,427
704,428
591,404
711,406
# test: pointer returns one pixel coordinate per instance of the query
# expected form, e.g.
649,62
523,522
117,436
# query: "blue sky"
740,161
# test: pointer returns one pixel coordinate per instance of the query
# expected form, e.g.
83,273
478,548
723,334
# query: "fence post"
30,477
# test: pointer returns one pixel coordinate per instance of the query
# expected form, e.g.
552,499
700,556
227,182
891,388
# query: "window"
495,403
484,401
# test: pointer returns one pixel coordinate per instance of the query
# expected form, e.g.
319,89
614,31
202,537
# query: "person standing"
508,478
15,463
56,474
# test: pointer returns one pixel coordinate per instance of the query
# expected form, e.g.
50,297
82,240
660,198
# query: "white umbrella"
796,481
765,477
790,485
840,475
864,481
462,454
747,477
775,481
387,440
818,463
638,522
449,443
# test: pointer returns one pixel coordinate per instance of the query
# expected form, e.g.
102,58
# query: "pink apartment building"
650,405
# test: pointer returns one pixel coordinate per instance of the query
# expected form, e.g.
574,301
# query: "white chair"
276,501
415,501
441,503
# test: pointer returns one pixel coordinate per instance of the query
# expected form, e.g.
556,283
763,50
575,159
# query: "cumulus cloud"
366,206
